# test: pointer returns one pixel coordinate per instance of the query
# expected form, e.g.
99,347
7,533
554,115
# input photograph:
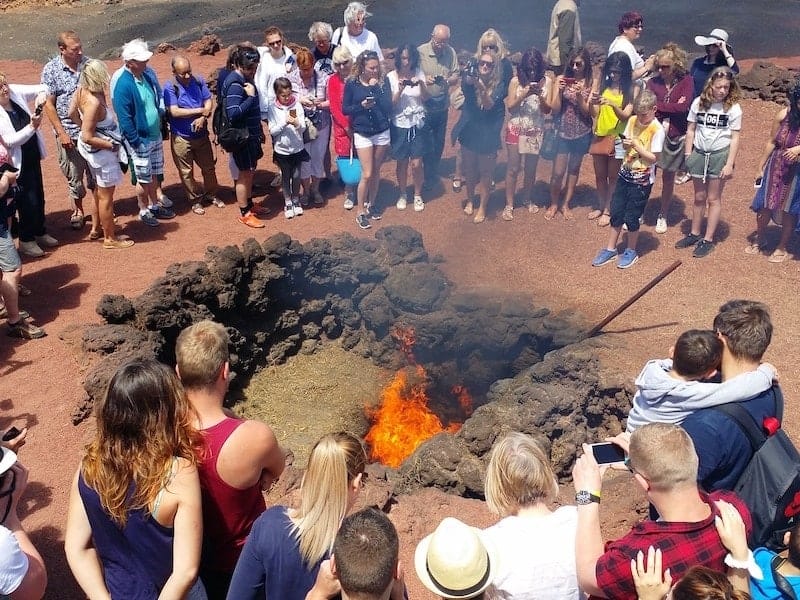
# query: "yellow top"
607,121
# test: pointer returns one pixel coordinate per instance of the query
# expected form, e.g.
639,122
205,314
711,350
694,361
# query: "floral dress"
780,189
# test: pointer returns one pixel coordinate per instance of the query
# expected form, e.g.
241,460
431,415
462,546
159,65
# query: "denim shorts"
628,203
9,257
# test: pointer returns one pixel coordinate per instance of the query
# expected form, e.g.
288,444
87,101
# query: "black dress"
30,197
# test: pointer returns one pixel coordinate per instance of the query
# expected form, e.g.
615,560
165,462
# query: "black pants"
436,124
30,201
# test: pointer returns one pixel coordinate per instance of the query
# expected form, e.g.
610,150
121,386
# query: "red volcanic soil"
41,380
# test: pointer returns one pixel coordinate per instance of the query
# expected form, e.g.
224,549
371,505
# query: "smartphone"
758,182
370,98
11,434
606,453
38,110
622,136
569,80
293,113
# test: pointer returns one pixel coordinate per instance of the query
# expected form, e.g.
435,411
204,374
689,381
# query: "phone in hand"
370,98
293,113
569,80
11,434
607,453
38,110
757,184
622,136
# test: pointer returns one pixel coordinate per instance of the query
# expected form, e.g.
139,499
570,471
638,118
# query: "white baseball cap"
136,50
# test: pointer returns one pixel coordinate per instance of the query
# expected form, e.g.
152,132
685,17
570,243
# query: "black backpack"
231,138
770,484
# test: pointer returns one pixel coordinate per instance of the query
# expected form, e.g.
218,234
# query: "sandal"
479,218
595,214
778,256
95,235
468,208
456,184
568,214
753,248
550,213
77,219
508,213
198,209
117,244
604,220
533,208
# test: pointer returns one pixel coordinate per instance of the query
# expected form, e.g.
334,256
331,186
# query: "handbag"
602,146
310,133
549,139
349,169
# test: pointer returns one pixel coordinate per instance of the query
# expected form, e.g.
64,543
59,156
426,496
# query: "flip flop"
550,214
604,220
778,256
468,208
95,235
595,214
479,218
568,215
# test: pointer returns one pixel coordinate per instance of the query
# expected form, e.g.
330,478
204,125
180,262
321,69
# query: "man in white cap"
456,560
718,54
136,95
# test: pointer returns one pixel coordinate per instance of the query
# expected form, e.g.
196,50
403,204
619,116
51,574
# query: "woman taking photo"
284,550
342,133
479,127
718,54
712,142
612,104
630,28
527,104
99,144
410,139
673,89
536,544
569,98
134,521
368,102
778,179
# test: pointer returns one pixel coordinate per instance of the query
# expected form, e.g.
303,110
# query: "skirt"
672,156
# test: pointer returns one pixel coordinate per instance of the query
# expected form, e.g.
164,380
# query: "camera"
409,83
439,80
471,68
38,110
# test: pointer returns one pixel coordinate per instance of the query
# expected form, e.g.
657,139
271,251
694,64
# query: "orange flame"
403,419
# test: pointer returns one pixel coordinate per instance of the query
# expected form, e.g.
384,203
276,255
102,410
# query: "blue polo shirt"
193,95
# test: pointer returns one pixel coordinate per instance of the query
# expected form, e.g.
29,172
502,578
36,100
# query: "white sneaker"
661,224
47,240
297,206
419,204
348,201
31,249
401,203
288,210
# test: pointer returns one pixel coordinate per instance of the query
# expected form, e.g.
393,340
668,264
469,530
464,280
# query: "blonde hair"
361,60
201,350
678,56
335,461
341,54
94,76
494,78
492,37
519,475
664,454
645,101
734,92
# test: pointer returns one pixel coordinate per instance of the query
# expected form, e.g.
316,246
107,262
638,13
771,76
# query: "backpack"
770,484
229,137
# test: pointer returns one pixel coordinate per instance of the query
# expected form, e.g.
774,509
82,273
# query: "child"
642,141
668,390
787,568
286,125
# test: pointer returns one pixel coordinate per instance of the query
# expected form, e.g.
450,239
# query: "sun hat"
136,50
456,560
716,36
7,461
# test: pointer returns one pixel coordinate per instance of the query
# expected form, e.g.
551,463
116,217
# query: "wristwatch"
583,497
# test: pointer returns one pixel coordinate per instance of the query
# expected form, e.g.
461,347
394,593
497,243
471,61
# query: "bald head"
441,31
440,38
180,62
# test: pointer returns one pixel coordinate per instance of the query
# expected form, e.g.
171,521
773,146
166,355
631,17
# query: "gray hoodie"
664,399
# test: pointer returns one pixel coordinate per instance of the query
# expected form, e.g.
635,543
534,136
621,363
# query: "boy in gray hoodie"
669,390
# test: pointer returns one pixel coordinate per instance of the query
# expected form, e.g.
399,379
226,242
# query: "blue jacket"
368,121
130,108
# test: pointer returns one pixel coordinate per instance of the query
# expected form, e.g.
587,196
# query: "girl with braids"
779,172
134,521
286,546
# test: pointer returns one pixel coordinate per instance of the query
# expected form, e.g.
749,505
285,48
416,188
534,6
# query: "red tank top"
228,513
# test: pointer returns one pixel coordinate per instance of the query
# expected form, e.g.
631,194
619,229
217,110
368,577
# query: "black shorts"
413,142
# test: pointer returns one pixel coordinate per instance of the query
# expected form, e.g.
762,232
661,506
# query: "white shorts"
379,139
108,176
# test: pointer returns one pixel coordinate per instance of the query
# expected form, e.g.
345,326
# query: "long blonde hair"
143,422
494,78
734,92
335,461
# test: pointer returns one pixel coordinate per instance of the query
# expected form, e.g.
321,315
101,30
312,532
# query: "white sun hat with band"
456,560
715,37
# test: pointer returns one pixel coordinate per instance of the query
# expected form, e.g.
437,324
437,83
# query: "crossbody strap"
784,587
749,426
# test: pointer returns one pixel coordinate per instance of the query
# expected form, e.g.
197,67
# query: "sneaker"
161,212
148,219
197,209
23,314
419,204
374,216
688,241
348,201
704,248
26,331
661,224
298,206
217,202
627,259
318,199
164,201
277,181
401,203
682,178
288,210
603,257
46,240
31,249
251,220
363,221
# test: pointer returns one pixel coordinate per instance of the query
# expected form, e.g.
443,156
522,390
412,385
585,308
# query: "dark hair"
794,111
702,582
584,55
619,61
272,31
531,67
628,20
413,57
245,57
747,328
281,84
365,552
794,545
697,352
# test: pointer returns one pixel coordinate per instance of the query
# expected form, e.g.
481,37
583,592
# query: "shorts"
628,203
672,157
383,138
290,162
706,165
9,257
247,158
151,163
108,176
576,147
412,142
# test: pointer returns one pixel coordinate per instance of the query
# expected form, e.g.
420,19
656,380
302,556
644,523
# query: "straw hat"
456,561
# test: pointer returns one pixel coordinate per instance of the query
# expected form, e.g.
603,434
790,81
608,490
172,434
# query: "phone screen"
758,182
606,453
292,112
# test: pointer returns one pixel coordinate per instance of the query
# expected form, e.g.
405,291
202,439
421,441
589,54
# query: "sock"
245,209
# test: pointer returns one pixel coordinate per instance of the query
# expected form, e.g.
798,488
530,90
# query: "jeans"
436,124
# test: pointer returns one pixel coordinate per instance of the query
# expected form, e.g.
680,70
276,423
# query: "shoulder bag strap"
784,587
749,426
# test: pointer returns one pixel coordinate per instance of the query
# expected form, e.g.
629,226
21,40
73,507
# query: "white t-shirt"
269,69
623,44
537,557
410,109
366,40
13,562
713,126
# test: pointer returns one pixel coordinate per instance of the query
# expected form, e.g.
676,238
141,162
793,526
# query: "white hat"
136,50
456,560
716,36
7,461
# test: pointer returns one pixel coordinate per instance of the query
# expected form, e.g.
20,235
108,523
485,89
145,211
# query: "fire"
403,420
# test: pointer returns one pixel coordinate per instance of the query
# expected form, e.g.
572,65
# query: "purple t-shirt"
193,95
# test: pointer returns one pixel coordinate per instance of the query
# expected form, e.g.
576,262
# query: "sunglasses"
726,74
577,64
489,47
486,63
664,67
341,64
275,43
368,54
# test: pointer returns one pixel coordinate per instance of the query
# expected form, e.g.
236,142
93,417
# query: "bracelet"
748,565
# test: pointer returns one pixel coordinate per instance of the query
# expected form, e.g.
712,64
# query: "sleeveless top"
228,512
607,121
574,122
137,558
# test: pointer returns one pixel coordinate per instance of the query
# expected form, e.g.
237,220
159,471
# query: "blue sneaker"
603,257
627,259
148,219
160,212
